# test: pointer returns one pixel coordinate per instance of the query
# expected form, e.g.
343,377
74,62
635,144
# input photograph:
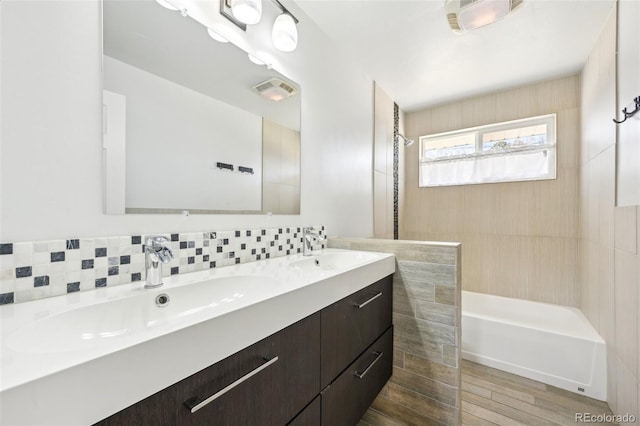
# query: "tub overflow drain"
162,299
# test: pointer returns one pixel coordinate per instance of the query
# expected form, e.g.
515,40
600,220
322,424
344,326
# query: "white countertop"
79,358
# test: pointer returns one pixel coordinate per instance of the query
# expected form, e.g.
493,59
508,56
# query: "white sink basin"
90,343
333,261
102,323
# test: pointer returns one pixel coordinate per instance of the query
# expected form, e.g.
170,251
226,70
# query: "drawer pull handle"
378,355
363,304
191,403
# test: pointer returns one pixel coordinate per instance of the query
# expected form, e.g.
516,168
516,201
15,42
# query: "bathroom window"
516,150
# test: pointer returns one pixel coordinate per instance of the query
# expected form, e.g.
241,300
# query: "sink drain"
162,299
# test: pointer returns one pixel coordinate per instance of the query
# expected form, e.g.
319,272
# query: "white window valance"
485,160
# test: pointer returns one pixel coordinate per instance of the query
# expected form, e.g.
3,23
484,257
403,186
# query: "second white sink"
333,261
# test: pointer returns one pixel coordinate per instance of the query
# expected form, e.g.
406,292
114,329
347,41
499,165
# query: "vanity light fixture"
167,4
247,11
217,37
285,33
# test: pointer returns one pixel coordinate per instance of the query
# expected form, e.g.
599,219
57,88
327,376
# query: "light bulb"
165,3
217,37
285,33
247,11
255,60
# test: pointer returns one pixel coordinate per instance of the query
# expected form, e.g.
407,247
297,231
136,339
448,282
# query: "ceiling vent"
467,15
275,89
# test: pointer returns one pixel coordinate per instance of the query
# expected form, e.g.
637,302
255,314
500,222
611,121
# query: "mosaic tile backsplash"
35,270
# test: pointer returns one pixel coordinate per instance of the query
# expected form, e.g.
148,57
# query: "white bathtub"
552,344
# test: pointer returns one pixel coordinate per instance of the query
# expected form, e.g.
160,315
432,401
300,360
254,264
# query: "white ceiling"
408,49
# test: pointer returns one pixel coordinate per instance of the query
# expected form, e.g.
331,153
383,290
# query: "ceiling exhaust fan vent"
465,3
453,22
275,89
467,15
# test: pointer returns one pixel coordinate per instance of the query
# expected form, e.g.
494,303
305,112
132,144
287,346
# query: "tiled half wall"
35,270
425,386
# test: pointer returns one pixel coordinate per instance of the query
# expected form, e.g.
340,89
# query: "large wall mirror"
190,124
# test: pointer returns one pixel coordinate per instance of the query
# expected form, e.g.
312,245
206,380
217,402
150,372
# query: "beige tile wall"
425,386
280,169
521,237
609,243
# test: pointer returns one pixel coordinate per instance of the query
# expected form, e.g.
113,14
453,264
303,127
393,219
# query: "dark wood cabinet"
345,401
267,384
323,370
310,416
350,325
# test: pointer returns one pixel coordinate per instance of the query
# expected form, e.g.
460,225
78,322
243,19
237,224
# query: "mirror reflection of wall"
187,103
281,168
174,138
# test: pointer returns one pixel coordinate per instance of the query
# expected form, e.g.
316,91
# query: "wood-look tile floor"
494,397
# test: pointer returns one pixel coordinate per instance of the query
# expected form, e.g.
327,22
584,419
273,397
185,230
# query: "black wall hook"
629,114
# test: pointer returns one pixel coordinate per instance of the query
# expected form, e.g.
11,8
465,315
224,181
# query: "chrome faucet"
157,252
309,236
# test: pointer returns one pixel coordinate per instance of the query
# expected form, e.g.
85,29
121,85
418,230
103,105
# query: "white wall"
628,150
175,136
51,151
609,236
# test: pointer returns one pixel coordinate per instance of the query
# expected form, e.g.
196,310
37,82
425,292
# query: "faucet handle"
157,247
165,254
310,232
155,241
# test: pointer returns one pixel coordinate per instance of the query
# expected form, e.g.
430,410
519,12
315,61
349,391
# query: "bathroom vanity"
325,369
294,340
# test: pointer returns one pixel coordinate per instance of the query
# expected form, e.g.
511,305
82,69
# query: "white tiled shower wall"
35,270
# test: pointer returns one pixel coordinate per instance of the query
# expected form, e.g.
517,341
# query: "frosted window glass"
504,152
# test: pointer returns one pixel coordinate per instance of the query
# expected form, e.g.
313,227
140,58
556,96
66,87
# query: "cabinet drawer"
158,409
278,390
251,387
345,401
350,325
310,416
247,403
